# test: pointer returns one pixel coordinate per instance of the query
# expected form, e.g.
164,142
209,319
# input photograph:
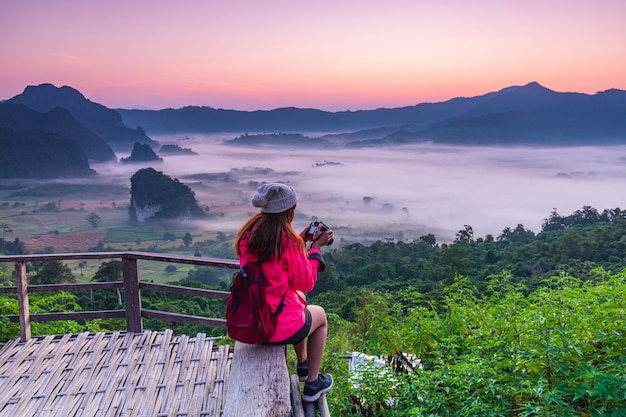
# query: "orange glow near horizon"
352,55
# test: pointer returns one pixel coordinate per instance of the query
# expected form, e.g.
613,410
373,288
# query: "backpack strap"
247,278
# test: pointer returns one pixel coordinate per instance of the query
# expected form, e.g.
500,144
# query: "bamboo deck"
149,374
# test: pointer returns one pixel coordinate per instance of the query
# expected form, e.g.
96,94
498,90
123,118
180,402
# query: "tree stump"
258,384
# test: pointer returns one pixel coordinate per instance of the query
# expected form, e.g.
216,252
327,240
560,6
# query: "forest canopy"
520,324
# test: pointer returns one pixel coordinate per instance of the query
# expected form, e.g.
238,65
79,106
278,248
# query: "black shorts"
300,334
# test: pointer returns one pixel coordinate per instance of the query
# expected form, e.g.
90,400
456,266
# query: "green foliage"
501,326
93,219
187,239
61,301
53,272
16,247
576,244
212,277
109,272
556,351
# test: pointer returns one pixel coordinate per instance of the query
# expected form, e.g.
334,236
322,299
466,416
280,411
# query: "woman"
290,270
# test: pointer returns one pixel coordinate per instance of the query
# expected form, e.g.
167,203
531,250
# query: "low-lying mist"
398,193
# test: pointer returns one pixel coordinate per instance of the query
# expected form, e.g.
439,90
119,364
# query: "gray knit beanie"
274,198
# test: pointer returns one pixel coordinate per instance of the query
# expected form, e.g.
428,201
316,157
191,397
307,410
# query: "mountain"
154,194
277,139
193,119
60,121
105,122
40,153
529,114
535,114
142,153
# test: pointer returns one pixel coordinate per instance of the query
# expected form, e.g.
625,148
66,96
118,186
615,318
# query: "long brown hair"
266,234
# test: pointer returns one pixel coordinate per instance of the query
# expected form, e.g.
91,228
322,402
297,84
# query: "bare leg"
300,350
316,341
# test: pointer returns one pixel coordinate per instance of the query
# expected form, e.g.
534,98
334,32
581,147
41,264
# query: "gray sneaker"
313,390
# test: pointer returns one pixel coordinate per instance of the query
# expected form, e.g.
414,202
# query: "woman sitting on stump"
290,270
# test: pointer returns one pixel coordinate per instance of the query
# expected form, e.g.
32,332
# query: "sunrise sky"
331,55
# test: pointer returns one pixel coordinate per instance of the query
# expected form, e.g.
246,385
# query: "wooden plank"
66,287
322,405
177,289
22,300
184,318
258,383
192,260
296,397
309,409
132,295
78,315
82,286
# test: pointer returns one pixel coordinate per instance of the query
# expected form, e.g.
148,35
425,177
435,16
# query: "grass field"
52,218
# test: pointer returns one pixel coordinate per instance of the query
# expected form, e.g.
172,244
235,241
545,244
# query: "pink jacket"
293,272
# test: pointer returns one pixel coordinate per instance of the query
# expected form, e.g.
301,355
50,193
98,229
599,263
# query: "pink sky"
331,55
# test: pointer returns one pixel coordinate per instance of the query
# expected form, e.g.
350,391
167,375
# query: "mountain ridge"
60,121
106,123
527,114
530,114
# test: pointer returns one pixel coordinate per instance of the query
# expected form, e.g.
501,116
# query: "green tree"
465,235
429,239
81,265
110,272
53,272
93,219
187,239
5,229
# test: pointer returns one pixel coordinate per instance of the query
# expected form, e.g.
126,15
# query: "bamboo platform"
148,374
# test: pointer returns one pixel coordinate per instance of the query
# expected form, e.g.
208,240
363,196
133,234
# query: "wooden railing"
132,286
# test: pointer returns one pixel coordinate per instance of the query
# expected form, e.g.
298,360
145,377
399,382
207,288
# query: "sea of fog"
412,190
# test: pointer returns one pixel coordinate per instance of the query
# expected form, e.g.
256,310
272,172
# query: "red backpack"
249,319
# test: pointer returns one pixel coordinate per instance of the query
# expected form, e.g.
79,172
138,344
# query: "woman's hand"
303,234
321,239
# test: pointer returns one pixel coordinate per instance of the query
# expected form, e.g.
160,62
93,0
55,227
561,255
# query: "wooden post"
22,300
132,295
258,385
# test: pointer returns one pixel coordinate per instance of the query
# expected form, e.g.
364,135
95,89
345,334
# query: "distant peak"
48,88
535,86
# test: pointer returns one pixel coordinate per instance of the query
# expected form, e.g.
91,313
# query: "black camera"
314,226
